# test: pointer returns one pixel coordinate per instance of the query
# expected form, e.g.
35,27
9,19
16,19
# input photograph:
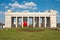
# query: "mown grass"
12,34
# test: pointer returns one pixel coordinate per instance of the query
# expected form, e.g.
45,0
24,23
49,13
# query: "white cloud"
34,8
12,8
30,4
26,11
6,7
16,5
24,1
26,5
58,15
1,12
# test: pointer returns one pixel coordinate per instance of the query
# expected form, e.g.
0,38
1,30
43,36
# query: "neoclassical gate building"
33,19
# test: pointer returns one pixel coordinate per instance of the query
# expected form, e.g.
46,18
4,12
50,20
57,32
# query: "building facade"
34,19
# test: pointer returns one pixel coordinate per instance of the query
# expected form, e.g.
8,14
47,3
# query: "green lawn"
42,35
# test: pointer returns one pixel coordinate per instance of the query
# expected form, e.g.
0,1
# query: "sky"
28,6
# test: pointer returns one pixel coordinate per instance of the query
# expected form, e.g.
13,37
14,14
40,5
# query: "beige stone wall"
7,21
53,21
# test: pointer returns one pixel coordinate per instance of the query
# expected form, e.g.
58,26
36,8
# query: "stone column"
16,22
22,21
45,21
28,22
39,22
33,21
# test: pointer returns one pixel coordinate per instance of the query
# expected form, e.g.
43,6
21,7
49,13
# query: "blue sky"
29,6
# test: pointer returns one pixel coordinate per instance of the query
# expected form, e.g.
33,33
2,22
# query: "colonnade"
44,21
